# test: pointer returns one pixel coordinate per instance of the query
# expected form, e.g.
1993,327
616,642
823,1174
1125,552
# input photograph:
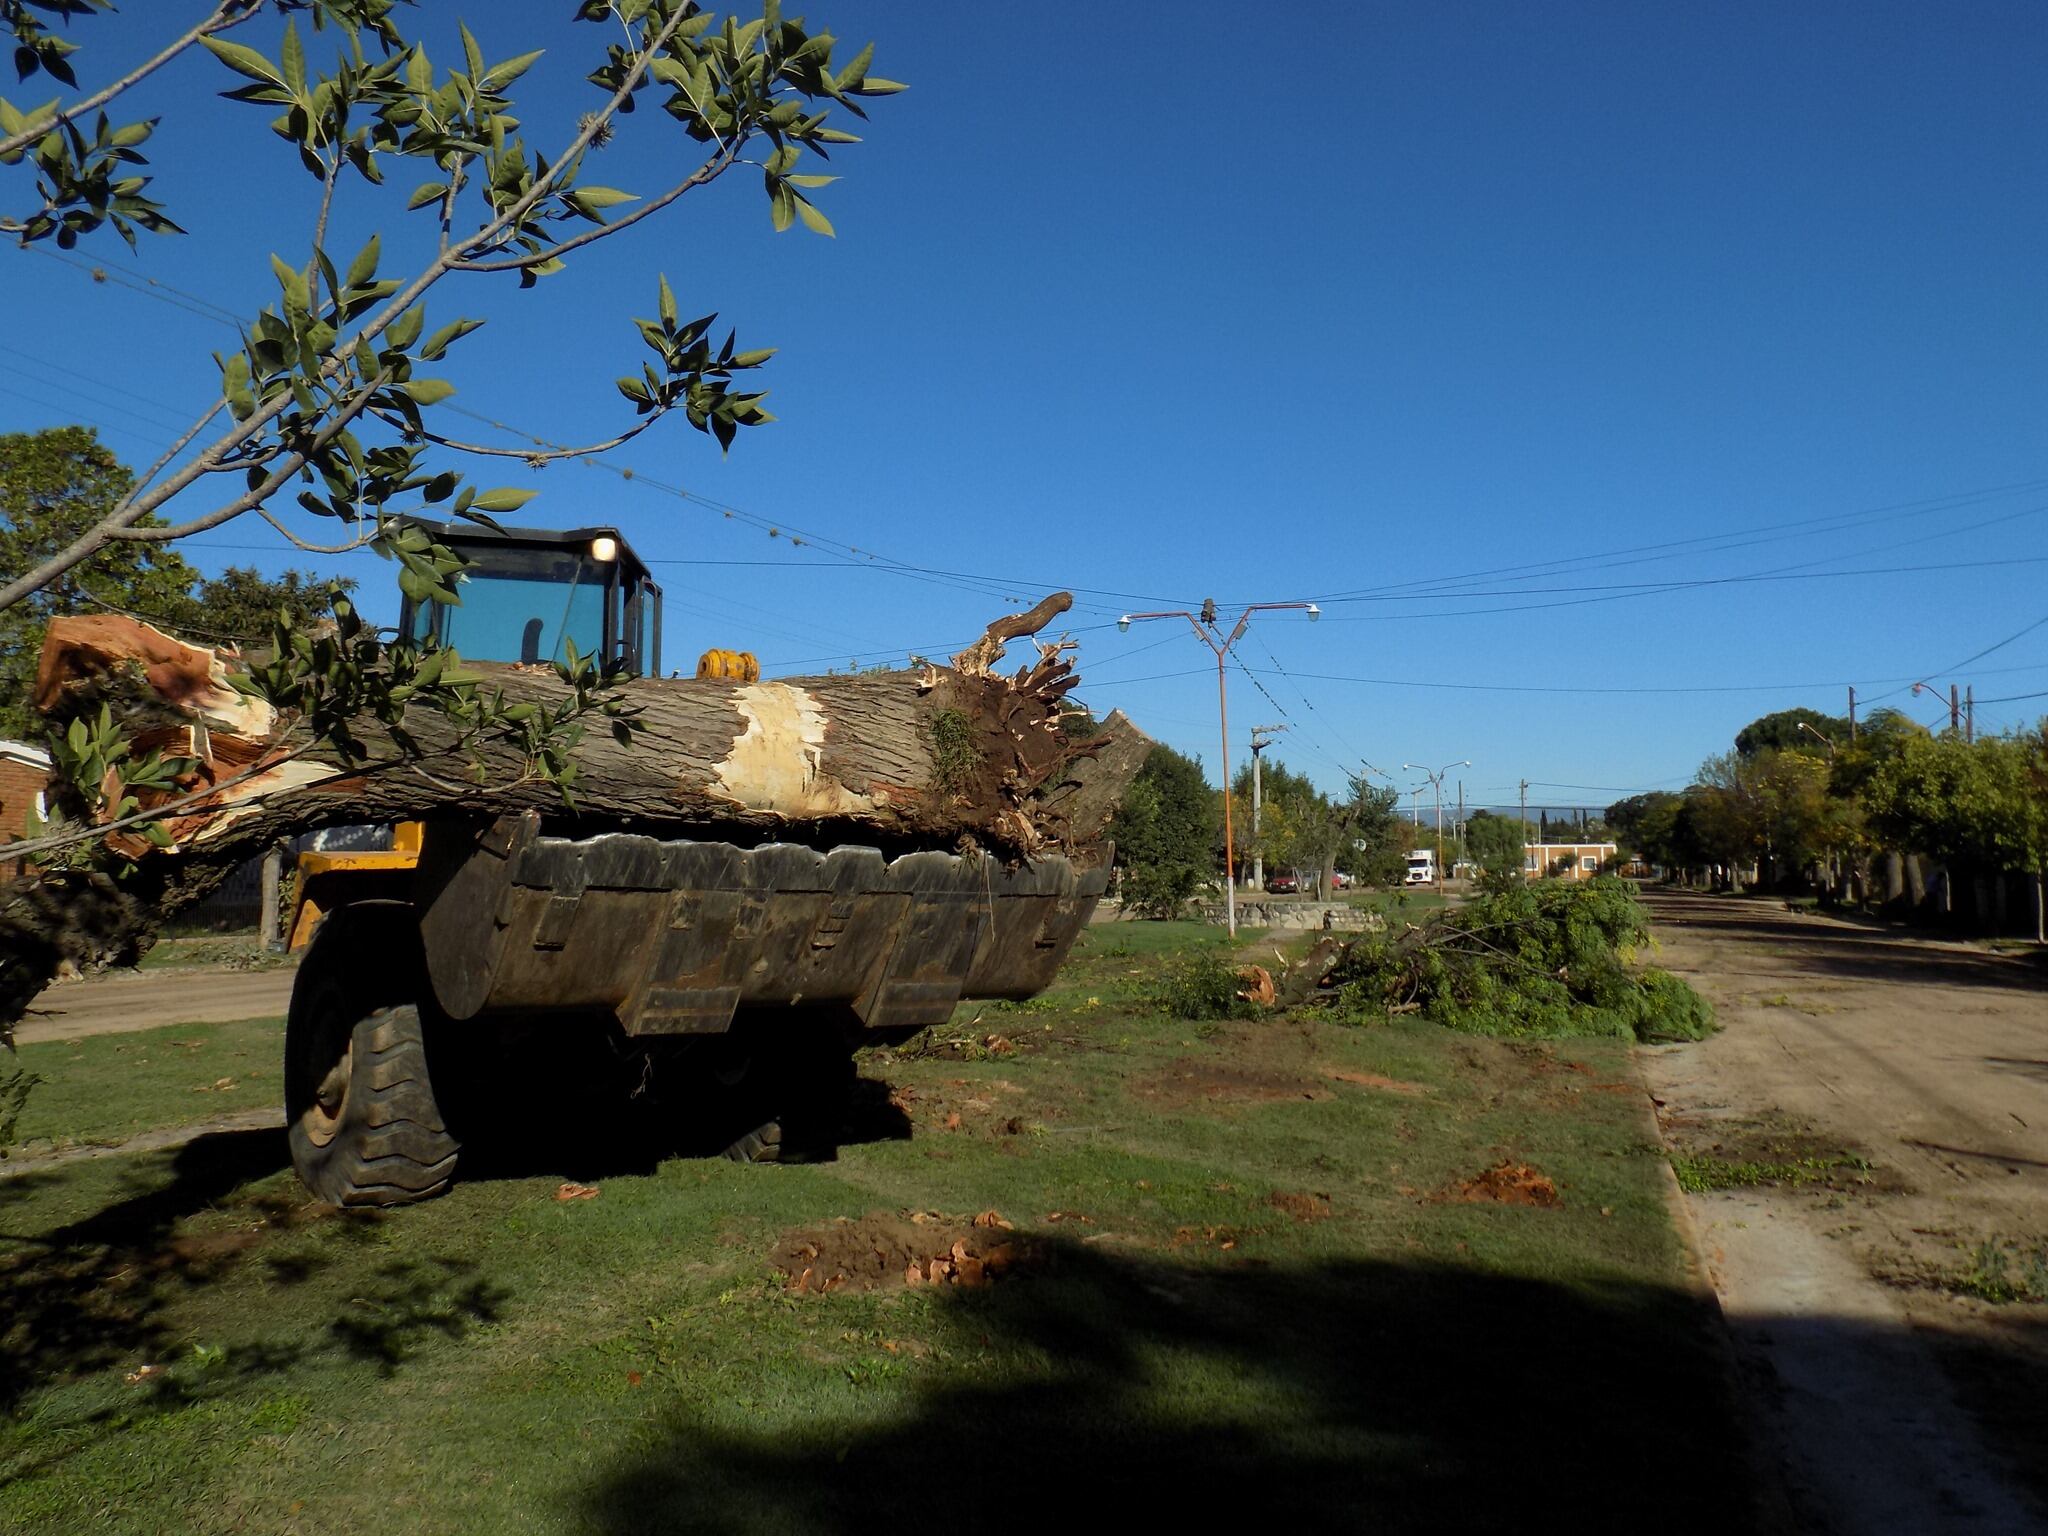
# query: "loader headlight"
604,547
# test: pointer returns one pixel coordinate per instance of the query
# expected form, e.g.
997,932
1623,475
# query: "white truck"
1421,867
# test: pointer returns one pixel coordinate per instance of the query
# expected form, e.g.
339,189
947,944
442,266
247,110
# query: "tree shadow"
1132,1393
90,1294
1863,952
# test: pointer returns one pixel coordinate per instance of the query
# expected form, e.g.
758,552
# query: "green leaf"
753,359
243,61
293,282
874,87
442,339
668,302
428,391
426,192
234,386
364,267
811,181
504,498
781,206
814,221
511,69
405,330
293,58
472,55
604,197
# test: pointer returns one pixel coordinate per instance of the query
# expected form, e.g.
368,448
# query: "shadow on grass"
1130,1394
90,1294
94,1294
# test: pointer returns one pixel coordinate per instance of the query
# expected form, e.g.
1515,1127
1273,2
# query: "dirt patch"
883,1251
1372,1080
1302,1205
1505,1184
1189,1081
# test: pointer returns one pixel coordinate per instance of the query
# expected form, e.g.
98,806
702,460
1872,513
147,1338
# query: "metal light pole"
1821,736
1437,779
1206,631
1261,735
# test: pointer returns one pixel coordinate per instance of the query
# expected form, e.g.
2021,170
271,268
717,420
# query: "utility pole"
1852,712
1260,741
1437,780
1525,826
1955,712
1208,630
1970,715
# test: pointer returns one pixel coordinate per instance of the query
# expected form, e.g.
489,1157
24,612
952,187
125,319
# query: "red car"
1281,885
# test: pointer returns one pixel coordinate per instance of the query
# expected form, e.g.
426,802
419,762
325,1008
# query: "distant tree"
1495,843
1782,732
1373,839
1980,807
1166,833
55,484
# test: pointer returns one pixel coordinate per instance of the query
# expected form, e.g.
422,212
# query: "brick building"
24,770
1565,861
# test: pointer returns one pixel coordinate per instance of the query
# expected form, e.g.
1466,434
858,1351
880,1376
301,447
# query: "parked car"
1281,885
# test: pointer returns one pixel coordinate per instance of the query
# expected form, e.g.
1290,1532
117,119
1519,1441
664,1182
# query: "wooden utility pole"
1208,630
1955,712
1852,711
1970,714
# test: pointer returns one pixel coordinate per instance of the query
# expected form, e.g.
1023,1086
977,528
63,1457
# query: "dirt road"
130,1000
1873,1117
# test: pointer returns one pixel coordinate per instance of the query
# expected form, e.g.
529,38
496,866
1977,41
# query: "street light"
1437,779
1821,736
1205,628
1262,738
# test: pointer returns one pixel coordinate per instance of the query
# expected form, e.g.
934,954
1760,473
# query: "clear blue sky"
1281,302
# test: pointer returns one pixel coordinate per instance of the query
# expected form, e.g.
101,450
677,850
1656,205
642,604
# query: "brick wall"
19,785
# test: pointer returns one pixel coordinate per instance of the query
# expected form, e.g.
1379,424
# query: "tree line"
1886,813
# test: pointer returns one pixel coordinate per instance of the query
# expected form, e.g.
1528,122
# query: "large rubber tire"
365,1129
777,1100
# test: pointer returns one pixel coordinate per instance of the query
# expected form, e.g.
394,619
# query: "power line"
1892,511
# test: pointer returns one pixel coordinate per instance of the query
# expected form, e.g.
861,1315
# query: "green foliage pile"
1204,986
1546,958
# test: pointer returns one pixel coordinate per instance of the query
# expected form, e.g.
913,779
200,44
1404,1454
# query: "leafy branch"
342,347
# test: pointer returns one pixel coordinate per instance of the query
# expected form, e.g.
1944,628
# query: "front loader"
723,984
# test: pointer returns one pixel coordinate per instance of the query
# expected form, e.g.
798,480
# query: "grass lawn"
1386,1279
106,1088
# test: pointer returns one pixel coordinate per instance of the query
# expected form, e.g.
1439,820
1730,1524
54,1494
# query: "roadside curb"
1772,1504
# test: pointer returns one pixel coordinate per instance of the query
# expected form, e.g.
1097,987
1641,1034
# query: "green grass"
238,952
107,1088
1399,903
1698,1174
2002,1271
1181,1349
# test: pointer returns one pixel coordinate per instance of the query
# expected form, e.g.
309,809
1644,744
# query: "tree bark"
941,757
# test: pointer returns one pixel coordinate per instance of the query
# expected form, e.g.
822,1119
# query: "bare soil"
1890,1396
1507,1184
885,1251
121,1001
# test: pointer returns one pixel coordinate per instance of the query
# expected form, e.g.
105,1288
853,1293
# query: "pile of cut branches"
1546,957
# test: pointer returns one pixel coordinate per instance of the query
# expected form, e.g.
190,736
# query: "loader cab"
528,594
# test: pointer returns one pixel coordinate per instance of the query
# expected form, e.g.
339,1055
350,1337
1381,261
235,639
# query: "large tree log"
942,757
